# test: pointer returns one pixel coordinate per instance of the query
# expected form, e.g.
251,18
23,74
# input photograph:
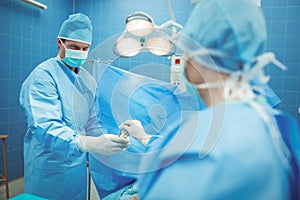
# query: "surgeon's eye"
78,48
74,47
85,48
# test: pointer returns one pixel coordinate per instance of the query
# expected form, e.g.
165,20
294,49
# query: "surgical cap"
77,27
234,27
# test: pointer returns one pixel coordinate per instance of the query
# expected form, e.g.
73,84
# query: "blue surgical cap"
234,27
77,27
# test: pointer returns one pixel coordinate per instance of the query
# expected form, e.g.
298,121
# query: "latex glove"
136,130
104,144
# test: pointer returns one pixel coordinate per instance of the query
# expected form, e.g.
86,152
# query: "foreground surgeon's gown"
49,96
155,103
227,155
231,150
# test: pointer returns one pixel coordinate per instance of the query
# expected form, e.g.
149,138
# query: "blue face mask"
74,58
193,90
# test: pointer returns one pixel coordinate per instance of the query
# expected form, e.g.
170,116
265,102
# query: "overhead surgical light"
159,46
128,47
139,24
141,33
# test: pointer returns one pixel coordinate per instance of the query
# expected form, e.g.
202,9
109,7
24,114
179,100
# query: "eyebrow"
76,46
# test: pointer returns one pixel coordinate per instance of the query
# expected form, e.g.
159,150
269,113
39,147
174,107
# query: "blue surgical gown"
223,152
59,106
123,95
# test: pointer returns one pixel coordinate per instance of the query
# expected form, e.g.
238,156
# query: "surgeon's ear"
59,42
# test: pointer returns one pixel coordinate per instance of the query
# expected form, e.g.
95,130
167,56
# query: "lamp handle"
175,26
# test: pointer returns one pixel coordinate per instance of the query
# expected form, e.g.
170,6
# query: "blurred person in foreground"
239,147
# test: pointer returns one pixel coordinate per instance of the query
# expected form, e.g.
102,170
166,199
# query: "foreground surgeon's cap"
77,27
234,27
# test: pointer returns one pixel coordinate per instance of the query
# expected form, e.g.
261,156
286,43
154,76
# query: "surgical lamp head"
142,33
139,24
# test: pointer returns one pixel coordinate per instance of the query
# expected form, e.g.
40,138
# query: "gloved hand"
136,130
104,144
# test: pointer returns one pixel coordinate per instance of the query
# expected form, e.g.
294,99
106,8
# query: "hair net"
77,27
233,27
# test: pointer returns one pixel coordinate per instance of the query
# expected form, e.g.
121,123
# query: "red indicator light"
177,61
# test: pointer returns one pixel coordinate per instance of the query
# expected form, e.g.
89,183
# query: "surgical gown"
155,103
223,152
59,106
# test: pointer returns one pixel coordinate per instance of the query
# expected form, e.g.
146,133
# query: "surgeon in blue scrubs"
58,98
239,147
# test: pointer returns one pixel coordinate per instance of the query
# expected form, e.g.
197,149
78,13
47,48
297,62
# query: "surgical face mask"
74,58
244,76
192,89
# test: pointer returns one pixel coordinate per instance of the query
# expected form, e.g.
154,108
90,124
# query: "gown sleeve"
94,126
43,107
